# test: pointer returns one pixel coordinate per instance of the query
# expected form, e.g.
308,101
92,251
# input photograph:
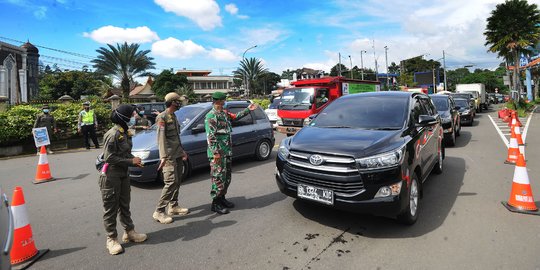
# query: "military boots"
177,210
218,207
132,236
113,246
226,203
162,217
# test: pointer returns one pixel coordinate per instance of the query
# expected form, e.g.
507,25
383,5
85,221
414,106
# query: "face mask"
45,110
131,121
141,113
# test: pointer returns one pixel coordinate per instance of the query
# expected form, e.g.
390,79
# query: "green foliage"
75,83
18,122
263,103
168,81
266,83
250,69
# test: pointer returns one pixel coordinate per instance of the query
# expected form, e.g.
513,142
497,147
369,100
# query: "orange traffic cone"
43,173
514,120
24,249
513,150
517,133
521,198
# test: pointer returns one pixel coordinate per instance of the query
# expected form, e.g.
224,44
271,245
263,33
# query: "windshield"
275,103
296,98
385,113
462,103
186,114
475,94
441,104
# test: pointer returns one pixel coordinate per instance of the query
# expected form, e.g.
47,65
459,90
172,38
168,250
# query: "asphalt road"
462,224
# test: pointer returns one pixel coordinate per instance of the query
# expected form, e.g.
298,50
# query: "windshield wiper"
386,128
335,127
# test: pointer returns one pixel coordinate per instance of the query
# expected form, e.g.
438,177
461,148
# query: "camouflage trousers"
221,176
116,196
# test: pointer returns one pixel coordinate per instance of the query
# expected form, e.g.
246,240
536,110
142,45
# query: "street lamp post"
386,59
246,75
350,60
362,63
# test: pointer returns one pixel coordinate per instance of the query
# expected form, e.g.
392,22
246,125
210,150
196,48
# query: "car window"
186,114
441,104
275,103
259,114
158,107
246,120
428,106
370,112
417,110
462,103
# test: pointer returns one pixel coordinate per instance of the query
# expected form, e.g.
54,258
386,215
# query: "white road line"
503,138
524,135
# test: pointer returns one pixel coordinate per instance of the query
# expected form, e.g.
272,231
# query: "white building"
19,72
202,83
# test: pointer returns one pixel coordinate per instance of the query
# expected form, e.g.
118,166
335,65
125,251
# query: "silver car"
6,232
252,136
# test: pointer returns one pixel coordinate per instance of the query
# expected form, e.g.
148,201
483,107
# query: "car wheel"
186,170
263,150
438,169
410,213
458,131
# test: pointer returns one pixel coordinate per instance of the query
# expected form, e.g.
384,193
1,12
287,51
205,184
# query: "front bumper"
148,173
288,129
363,202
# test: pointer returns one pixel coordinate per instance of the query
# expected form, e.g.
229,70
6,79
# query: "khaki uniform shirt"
117,151
168,136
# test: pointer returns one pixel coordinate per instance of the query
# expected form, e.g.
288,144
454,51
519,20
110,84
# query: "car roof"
229,103
384,94
434,96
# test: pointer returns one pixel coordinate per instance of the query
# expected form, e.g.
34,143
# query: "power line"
65,60
52,49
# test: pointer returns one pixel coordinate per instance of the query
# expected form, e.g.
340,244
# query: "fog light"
391,190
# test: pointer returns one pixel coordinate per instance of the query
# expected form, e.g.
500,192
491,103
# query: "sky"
288,34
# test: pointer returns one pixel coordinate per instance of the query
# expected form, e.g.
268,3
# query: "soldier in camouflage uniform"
114,180
218,133
171,156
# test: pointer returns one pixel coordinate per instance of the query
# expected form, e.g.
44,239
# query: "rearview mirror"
426,120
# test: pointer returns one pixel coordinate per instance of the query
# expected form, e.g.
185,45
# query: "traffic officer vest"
88,117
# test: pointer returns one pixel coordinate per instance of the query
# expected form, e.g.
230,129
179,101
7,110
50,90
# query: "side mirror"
198,128
311,99
426,120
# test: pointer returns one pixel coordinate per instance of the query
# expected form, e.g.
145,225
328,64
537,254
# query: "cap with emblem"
172,96
219,96
86,103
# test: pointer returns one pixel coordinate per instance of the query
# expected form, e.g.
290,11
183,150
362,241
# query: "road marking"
503,135
524,135
503,138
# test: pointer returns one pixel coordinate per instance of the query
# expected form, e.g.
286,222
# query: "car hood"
346,141
444,114
145,140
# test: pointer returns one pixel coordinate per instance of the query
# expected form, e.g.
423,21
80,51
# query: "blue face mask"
45,110
141,113
131,121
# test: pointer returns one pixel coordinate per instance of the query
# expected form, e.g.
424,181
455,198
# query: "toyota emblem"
316,160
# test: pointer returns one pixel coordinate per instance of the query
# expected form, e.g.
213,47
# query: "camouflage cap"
219,96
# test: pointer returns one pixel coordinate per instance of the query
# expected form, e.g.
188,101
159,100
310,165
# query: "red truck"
310,96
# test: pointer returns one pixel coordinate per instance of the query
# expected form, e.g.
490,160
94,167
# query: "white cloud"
222,55
205,13
113,34
40,12
262,36
177,49
231,8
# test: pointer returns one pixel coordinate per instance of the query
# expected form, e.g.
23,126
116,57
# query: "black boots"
226,203
218,207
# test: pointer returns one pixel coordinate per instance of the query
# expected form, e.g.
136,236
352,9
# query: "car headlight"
466,112
283,150
279,121
386,160
141,154
446,120
307,121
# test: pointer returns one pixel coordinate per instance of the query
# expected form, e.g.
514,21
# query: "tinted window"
428,106
417,110
246,120
369,112
462,103
275,103
186,114
259,114
441,104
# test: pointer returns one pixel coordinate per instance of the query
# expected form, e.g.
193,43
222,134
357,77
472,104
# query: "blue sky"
213,34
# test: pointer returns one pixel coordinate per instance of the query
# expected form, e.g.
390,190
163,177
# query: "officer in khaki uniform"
114,180
171,156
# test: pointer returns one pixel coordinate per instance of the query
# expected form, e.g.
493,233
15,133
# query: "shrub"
17,124
264,103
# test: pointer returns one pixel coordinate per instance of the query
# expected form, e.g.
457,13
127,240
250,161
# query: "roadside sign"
41,137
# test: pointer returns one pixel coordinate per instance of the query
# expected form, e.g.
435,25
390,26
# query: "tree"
167,81
72,82
249,71
125,62
334,71
266,83
513,26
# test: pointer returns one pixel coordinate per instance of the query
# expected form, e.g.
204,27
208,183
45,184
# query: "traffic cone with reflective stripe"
43,172
23,252
515,120
513,150
521,198
517,133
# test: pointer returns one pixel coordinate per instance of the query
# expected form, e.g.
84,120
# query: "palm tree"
512,27
124,62
249,71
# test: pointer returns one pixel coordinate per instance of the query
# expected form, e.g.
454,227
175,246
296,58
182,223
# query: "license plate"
321,195
291,129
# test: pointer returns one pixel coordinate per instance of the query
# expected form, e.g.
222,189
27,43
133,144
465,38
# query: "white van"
479,93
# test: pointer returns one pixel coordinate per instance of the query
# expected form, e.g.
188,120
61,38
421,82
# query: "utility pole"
433,72
444,70
245,75
362,63
339,65
352,75
386,59
375,59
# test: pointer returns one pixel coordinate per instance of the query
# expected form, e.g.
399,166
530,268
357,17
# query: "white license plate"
321,195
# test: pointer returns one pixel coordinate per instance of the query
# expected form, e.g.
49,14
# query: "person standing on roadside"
171,155
114,180
87,124
218,132
46,120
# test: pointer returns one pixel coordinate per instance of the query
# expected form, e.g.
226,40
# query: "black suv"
368,152
449,112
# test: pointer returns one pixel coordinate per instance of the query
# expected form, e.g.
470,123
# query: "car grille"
337,173
293,122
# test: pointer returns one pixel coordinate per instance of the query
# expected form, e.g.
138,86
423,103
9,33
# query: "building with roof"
143,92
203,83
19,72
